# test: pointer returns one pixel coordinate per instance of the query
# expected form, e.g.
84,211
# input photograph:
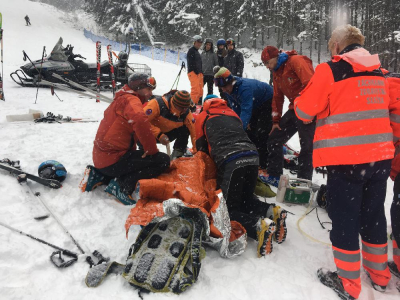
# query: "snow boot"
114,189
92,178
268,179
393,269
279,218
263,190
176,154
331,280
377,287
265,231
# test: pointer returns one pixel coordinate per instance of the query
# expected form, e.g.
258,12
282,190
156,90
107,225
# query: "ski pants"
290,124
260,126
132,167
209,80
395,218
237,180
181,135
196,85
356,196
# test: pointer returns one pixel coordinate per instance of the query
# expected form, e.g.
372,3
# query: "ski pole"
126,63
40,74
89,259
59,262
178,77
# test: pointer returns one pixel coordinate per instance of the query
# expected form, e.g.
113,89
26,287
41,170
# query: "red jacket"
124,123
350,99
289,80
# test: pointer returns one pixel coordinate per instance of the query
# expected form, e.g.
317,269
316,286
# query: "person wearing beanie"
115,157
195,70
209,61
220,135
234,60
291,73
251,100
172,120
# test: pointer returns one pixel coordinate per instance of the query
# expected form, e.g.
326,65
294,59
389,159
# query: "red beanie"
268,53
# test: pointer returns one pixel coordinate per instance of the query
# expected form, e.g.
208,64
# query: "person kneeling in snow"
220,134
171,120
114,152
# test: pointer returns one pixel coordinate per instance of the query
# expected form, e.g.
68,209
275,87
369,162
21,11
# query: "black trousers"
209,80
132,167
356,196
290,124
181,135
395,211
260,126
237,180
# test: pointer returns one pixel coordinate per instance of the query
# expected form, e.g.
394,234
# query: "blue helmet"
221,42
51,169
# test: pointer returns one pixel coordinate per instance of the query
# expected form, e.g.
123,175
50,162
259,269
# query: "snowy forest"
304,25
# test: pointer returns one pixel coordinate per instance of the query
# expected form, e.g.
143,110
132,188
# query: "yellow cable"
303,232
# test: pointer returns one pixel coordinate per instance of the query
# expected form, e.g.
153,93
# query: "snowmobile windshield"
58,52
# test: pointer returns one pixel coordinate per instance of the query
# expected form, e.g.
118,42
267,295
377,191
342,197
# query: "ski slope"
95,220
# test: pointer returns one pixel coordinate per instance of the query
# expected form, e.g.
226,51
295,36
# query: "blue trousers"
356,196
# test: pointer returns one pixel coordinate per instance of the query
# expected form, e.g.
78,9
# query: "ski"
77,85
54,184
98,58
110,61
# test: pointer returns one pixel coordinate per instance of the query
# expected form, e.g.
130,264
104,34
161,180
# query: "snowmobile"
62,61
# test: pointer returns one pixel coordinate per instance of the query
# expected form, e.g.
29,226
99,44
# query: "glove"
164,139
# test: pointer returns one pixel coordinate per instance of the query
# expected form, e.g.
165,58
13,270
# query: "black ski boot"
377,287
393,269
331,280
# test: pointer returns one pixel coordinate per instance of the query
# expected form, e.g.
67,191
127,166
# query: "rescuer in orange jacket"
171,120
114,151
291,73
394,93
354,139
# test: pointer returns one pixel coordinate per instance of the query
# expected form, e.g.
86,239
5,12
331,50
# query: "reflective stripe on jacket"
124,123
350,99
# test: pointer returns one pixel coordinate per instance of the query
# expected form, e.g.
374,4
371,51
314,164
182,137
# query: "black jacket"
194,61
234,62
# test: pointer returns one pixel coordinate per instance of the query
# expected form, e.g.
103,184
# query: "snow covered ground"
96,220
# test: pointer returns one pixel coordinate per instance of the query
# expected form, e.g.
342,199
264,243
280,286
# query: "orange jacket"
349,97
124,123
394,94
289,80
163,120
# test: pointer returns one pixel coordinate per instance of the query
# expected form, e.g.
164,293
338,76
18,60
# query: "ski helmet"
123,57
221,42
138,81
51,169
198,38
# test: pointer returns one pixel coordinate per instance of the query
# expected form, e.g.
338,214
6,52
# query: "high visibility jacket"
289,80
394,94
124,123
350,99
220,133
163,120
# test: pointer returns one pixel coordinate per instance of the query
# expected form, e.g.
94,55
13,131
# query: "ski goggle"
151,82
230,42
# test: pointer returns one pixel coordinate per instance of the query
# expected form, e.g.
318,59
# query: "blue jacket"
247,96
